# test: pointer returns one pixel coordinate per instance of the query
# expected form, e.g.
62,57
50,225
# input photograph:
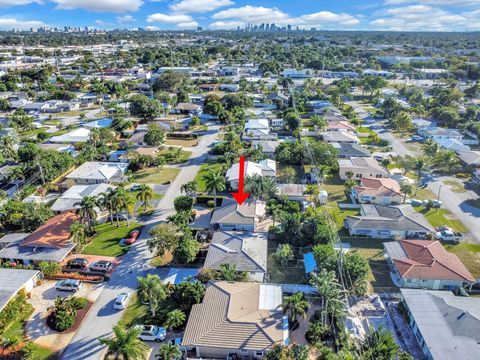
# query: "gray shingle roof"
232,213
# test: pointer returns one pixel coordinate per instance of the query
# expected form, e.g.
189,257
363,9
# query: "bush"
211,203
64,320
79,303
50,268
16,309
183,203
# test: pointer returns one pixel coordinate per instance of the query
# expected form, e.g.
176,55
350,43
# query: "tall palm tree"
6,148
107,202
87,210
151,291
331,296
296,306
126,345
144,194
214,182
190,188
130,203
168,351
430,148
312,191
78,234
175,319
119,202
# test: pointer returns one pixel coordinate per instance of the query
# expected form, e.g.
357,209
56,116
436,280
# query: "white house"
265,167
93,172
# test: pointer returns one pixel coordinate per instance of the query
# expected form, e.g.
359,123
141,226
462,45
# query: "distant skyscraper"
289,27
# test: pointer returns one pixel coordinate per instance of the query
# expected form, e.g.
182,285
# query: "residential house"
437,133
452,144
340,137
388,222
231,216
70,198
256,129
276,123
293,192
299,74
50,242
268,146
339,125
382,191
445,326
265,167
347,150
241,318
93,172
361,167
188,108
16,281
79,135
229,87
424,264
319,106
277,98
247,251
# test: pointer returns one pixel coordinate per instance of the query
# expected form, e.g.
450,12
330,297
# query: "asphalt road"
102,317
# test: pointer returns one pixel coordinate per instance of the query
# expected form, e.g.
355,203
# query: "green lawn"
340,215
424,194
204,169
181,142
469,254
335,188
379,275
455,186
155,175
442,217
184,156
106,242
284,169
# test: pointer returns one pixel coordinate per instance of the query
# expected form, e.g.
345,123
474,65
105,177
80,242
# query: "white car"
449,236
152,333
121,301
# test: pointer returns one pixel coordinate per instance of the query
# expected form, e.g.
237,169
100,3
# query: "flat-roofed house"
16,281
361,167
97,172
241,318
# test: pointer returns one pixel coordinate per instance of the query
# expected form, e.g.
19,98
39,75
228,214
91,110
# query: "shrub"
50,268
183,203
16,309
211,203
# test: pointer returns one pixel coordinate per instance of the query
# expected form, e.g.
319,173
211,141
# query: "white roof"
251,169
270,297
76,193
257,124
98,170
77,135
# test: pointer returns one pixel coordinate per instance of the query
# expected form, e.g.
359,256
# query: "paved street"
102,317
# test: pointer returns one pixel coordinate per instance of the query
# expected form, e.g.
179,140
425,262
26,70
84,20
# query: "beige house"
361,167
240,318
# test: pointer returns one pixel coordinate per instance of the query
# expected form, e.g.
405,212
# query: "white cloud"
231,18
198,6
125,19
8,3
9,24
117,6
169,18
422,17
187,25
152,28
435,2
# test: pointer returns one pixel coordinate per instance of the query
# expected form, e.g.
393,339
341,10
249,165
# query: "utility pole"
438,198
41,173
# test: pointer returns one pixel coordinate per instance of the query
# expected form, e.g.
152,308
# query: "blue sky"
404,15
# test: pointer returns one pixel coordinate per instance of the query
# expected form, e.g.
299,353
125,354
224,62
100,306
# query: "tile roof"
54,233
247,251
378,187
232,213
231,317
429,260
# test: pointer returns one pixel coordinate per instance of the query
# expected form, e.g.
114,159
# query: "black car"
77,263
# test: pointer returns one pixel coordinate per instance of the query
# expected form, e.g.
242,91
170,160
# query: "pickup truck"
449,236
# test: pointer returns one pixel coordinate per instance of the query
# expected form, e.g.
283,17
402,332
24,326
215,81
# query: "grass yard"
469,254
181,142
292,273
340,215
159,261
424,194
293,174
335,188
184,156
155,175
379,275
442,217
206,167
455,186
138,313
106,241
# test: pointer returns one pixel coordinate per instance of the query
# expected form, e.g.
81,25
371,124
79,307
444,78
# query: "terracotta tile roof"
429,260
231,317
54,233
378,187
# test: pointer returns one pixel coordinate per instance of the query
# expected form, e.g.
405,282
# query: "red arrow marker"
241,196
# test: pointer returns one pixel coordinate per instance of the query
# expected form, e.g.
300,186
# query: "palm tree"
312,191
379,344
447,160
144,194
190,188
119,202
130,203
6,148
78,233
125,344
330,294
283,254
107,202
214,182
430,148
296,306
87,210
168,351
175,319
176,153
406,189
151,291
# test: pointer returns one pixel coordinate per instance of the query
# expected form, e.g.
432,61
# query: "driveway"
102,317
43,297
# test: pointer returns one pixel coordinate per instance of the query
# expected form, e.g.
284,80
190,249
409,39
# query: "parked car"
443,228
449,236
120,216
435,203
415,202
79,263
135,187
68,285
132,237
152,333
101,266
416,138
121,301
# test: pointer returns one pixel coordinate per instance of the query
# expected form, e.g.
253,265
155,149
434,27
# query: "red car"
132,237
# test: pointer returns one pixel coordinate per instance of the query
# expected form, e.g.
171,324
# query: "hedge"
16,309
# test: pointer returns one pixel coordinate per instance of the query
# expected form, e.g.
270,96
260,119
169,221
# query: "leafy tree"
430,148
144,107
403,122
125,344
151,291
25,216
187,249
290,153
165,238
188,293
380,345
312,191
330,294
260,186
50,268
183,203
175,319
290,227
229,272
391,108
170,81
406,189
154,136
283,254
